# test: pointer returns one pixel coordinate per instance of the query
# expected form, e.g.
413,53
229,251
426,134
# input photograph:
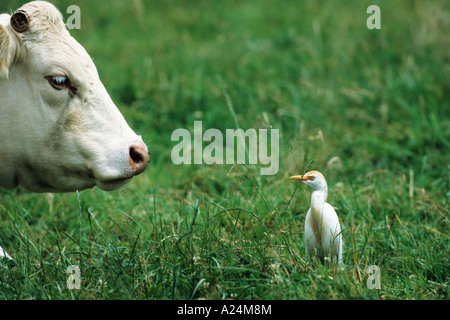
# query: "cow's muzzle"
139,158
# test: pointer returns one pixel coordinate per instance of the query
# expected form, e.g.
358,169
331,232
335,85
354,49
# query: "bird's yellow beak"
302,178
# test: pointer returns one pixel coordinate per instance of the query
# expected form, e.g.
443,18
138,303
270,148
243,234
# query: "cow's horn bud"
20,21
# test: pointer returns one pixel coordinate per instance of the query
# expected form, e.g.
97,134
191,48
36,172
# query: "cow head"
59,129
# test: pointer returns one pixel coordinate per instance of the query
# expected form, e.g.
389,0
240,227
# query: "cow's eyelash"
58,82
61,82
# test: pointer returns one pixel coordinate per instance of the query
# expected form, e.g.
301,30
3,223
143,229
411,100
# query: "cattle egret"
322,229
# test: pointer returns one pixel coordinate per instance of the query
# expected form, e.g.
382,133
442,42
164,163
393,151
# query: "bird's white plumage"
323,237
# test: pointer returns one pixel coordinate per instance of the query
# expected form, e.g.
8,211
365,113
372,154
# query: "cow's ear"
7,51
20,21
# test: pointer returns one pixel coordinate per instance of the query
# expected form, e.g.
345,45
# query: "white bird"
322,229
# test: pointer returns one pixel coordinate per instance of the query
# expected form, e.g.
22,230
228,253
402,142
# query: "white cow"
59,129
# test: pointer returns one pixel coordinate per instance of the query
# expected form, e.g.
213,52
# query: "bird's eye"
61,82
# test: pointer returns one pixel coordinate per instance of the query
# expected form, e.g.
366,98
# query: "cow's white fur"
58,140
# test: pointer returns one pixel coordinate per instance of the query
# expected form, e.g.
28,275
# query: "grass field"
370,109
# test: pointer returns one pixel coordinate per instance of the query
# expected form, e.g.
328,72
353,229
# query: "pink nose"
139,158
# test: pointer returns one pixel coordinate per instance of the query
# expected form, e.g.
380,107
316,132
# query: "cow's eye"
61,82
58,82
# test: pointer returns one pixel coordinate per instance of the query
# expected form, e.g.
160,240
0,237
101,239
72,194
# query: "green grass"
375,101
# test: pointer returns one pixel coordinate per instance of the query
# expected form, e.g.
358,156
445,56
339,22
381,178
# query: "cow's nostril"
139,157
136,155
